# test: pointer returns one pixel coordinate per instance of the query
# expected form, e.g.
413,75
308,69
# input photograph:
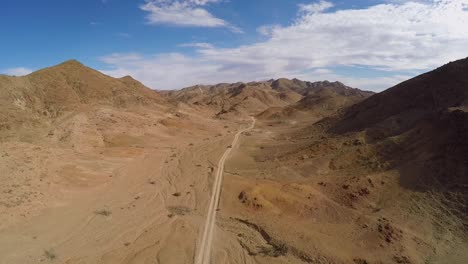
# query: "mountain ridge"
68,86
255,97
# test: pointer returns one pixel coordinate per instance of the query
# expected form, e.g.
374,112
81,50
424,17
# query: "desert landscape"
234,132
96,169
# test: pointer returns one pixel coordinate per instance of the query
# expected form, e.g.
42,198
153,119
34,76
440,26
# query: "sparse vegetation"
103,212
179,210
275,250
50,254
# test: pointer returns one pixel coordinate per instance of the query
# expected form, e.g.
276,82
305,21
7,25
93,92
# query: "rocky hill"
318,99
49,92
270,96
421,127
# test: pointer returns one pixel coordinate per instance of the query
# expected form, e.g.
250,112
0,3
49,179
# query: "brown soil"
102,170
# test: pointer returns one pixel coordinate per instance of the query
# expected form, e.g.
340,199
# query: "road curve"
204,250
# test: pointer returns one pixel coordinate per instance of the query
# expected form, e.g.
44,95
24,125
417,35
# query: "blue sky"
169,44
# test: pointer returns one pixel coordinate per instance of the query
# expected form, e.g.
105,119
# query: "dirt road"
204,250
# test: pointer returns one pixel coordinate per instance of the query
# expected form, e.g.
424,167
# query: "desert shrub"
50,254
103,212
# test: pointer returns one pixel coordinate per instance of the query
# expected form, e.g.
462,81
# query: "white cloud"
315,7
200,45
164,71
174,70
406,1
118,58
364,83
19,71
322,71
202,2
267,30
188,13
391,37
373,84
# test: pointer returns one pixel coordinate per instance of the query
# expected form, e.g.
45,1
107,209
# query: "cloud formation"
315,7
201,45
187,13
19,71
393,37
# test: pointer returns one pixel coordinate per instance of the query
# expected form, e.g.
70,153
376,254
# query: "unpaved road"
204,250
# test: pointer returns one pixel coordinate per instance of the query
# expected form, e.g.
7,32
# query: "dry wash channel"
204,250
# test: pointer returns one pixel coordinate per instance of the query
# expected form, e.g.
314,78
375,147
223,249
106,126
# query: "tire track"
204,251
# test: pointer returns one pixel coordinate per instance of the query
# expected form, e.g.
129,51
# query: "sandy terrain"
206,242
109,186
126,175
142,196
291,202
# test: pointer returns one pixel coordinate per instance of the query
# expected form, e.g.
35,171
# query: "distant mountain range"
377,177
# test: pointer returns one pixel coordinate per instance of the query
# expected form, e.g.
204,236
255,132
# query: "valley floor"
138,196
134,187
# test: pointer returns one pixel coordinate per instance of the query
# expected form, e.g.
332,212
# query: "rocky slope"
274,96
103,170
50,92
319,99
383,180
425,119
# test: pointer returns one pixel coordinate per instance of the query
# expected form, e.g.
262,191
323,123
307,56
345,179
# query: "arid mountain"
305,88
88,166
270,96
444,89
387,175
319,99
426,121
49,92
96,169
234,99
